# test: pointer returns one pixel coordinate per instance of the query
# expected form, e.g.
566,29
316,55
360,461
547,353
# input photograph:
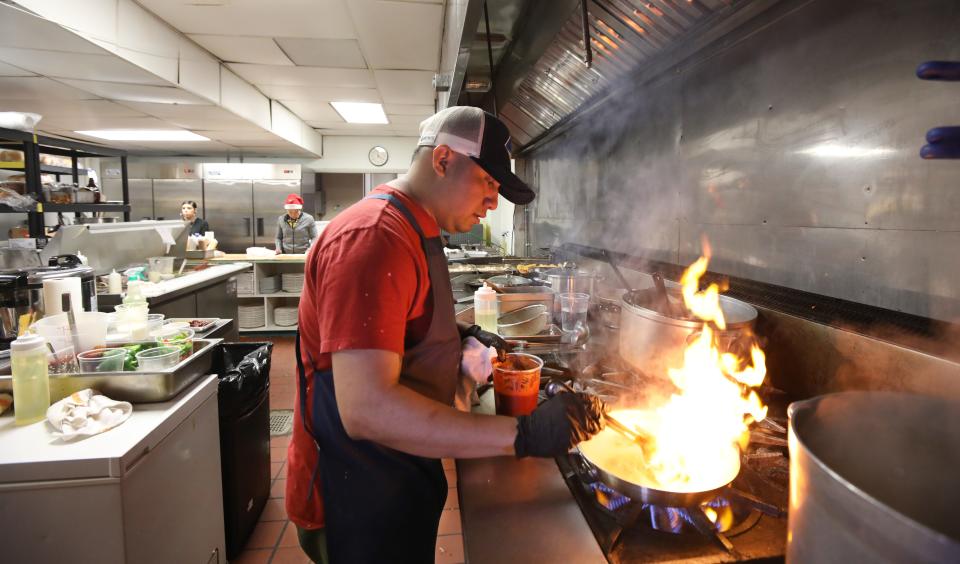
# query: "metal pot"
566,280
873,478
653,342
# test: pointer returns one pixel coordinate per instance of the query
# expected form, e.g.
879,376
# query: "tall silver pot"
653,342
873,478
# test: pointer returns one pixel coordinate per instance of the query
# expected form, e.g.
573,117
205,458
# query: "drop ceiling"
302,54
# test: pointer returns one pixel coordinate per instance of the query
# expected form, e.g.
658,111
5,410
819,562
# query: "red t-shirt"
366,287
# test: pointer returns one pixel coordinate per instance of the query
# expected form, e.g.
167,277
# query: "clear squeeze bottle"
485,310
31,382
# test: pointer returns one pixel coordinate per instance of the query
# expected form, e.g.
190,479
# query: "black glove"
488,339
558,424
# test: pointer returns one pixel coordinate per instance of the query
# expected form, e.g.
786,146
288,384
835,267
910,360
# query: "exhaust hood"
628,38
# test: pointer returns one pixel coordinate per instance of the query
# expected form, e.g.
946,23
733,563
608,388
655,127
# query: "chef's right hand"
558,425
277,250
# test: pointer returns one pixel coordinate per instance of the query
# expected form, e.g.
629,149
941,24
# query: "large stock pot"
873,478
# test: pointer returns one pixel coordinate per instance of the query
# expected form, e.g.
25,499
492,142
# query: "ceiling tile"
21,29
320,93
85,66
409,109
276,18
304,76
137,92
331,53
243,49
74,123
406,87
30,87
68,108
194,117
10,70
399,35
313,110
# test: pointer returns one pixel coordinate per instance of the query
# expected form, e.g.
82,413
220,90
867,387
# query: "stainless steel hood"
629,40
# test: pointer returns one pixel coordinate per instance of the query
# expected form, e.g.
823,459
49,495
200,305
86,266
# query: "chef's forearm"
409,422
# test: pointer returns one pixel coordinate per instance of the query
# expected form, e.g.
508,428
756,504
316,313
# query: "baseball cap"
294,202
481,136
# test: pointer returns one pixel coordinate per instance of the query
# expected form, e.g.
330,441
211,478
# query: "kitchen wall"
339,192
792,145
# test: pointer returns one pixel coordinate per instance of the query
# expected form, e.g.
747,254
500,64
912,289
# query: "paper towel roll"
53,289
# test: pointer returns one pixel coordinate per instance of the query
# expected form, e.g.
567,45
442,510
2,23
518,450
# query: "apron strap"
398,203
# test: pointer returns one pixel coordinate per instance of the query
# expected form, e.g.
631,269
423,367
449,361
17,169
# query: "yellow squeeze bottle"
31,382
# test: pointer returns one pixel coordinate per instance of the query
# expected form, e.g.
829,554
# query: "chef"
380,357
188,213
296,230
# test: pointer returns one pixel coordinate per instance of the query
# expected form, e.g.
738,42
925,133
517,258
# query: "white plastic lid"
27,342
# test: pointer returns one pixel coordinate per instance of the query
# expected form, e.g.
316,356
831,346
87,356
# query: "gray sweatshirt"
296,239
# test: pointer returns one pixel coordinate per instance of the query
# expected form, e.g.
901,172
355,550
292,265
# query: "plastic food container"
181,338
102,360
159,358
154,322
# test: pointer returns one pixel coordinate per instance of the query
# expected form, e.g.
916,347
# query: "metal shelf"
118,207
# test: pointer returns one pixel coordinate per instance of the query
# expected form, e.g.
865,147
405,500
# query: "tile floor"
274,540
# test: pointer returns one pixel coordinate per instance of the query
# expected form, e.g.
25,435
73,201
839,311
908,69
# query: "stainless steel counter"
520,511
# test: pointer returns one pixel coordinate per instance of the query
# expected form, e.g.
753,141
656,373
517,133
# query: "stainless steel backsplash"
791,144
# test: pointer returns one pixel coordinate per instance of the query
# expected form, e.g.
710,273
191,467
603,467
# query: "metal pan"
644,492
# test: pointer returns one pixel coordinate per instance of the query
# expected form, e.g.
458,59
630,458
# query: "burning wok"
627,467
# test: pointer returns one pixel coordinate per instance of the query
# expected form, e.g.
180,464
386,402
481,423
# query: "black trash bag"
244,371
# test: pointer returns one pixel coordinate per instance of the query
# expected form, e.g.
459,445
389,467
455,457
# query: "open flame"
696,432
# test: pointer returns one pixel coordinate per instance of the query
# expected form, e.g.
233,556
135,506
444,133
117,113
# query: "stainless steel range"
745,521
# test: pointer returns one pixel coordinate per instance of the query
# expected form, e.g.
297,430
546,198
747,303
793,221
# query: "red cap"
294,202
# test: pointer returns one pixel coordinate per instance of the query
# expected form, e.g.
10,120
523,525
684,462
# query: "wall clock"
378,156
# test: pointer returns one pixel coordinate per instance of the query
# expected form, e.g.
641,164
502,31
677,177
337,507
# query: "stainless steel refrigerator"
229,212
168,195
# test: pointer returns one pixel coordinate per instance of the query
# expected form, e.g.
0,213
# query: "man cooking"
296,230
379,357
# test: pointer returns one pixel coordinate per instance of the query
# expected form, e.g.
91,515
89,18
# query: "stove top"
750,513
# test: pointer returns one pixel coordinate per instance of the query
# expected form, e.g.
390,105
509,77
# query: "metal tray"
136,387
211,322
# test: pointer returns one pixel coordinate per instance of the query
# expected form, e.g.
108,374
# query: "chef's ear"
442,155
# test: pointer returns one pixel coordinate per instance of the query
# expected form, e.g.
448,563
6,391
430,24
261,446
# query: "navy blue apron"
380,504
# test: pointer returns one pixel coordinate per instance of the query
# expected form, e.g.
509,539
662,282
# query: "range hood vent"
626,36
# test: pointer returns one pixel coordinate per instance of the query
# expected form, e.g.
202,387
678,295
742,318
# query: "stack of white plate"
245,283
269,284
251,316
285,316
292,282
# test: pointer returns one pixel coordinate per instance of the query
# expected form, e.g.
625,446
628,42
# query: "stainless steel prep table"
520,510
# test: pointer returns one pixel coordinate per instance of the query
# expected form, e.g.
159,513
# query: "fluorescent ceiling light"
360,112
144,135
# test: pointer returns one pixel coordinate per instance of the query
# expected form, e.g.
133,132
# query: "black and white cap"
479,135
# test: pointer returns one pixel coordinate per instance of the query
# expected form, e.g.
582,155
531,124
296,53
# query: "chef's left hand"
476,360
488,339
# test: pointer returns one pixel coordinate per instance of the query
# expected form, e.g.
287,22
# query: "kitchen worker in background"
296,230
188,213
381,357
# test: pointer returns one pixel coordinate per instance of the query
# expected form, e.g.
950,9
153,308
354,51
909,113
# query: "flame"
701,424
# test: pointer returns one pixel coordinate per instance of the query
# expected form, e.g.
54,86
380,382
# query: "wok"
596,452
613,445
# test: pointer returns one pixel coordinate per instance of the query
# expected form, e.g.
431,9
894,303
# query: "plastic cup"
159,358
132,319
92,329
181,338
154,322
102,360
516,384
573,311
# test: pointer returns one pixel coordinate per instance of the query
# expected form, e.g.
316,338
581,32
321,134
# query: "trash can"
244,400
